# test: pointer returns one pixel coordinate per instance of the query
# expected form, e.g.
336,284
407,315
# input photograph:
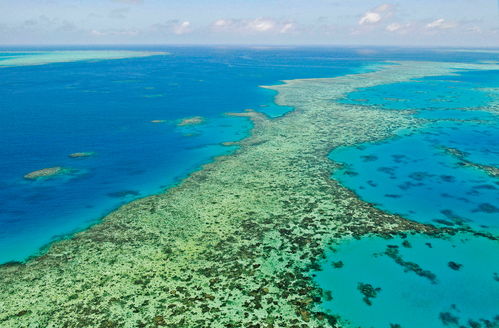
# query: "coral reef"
393,252
191,121
368,291
490,170
232,244
455,266
81,154
124,193
46,173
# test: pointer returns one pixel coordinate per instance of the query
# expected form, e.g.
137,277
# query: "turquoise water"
443,92
9,55
19,58
414,174
456,114
106,107
459,286
421,175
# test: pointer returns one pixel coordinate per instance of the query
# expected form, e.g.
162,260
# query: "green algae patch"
47,173
232,245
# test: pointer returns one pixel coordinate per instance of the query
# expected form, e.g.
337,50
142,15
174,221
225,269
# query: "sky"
262,22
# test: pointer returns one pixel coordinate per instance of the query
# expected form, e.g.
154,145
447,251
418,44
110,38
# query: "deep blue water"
50,111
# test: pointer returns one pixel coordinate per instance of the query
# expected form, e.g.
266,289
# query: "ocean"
105,107
126,126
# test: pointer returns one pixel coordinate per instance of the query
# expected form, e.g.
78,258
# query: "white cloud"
222,23
393,27
182,27
261,25
370,18
400,28
175,26
287,27
258,25
377,14
440,24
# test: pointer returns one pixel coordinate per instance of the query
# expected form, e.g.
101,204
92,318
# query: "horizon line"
246,45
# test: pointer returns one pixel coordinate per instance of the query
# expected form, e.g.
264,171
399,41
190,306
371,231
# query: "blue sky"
330,22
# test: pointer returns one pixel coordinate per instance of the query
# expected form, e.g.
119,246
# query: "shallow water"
463,291
415,177
455,114
23,58
416,174
438,174
458,91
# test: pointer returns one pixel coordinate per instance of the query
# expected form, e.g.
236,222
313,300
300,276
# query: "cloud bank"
398,22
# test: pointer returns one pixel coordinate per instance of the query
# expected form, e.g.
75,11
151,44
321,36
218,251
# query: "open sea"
107,108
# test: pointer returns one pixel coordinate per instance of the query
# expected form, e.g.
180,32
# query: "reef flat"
17,58
232,244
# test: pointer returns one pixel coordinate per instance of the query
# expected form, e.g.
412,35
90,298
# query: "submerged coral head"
81,154
46,173
191,121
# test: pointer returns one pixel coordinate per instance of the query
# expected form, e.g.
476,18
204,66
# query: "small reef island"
195,120
47,173
241,242
81,154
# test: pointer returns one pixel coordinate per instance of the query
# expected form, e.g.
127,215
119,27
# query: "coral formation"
232,244
81,154
191,121
490,170
393,252
46,173
368,291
